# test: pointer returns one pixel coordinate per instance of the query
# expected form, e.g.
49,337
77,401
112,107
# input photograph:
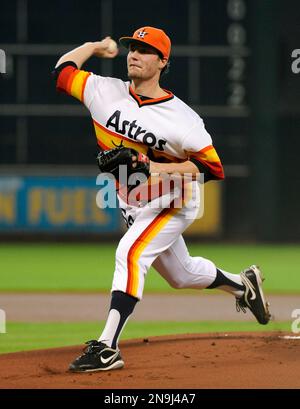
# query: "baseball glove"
133,162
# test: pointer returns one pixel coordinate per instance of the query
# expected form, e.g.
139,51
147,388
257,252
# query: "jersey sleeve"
200,150
80,84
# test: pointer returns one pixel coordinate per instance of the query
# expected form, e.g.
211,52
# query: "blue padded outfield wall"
54,204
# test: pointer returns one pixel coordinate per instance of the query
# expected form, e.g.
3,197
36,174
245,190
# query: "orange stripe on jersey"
208,148
83,87
72,81
209,157
103,146
208,154
140,244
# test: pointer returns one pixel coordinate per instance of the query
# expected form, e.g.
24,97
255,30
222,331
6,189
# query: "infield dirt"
234,360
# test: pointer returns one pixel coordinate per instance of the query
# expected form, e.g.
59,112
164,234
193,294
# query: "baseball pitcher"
146,133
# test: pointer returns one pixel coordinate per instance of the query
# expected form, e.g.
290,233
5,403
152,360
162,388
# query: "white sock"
231,283
236,278
110,328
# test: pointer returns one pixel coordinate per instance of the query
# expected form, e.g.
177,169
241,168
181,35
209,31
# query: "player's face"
143,62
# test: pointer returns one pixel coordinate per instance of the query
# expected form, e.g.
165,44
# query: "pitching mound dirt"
234,360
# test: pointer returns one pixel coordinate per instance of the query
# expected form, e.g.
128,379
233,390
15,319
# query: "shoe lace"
240,305
93,346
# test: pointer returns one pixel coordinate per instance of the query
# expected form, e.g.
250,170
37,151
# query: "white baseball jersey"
166,130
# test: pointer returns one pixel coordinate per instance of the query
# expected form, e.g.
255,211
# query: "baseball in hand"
112,46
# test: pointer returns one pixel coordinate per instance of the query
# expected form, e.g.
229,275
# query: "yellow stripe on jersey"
107,139
78,84
209,157
72,81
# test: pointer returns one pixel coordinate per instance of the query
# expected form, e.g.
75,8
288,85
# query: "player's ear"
163,62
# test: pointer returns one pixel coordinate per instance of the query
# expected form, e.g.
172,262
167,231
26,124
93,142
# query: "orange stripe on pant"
141,243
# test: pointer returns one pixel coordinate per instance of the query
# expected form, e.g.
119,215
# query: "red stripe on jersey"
64,78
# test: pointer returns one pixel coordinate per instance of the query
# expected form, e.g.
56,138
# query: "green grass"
89,267
29,336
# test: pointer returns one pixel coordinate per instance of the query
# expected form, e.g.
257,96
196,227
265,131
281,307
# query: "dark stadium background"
231,62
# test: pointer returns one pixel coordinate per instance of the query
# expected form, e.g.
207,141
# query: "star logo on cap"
141,34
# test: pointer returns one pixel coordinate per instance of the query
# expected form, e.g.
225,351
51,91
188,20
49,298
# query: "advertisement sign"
53,204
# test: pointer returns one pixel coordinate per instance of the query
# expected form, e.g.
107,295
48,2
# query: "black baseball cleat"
253,297
97,357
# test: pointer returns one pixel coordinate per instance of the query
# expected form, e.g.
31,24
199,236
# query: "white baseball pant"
155,238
